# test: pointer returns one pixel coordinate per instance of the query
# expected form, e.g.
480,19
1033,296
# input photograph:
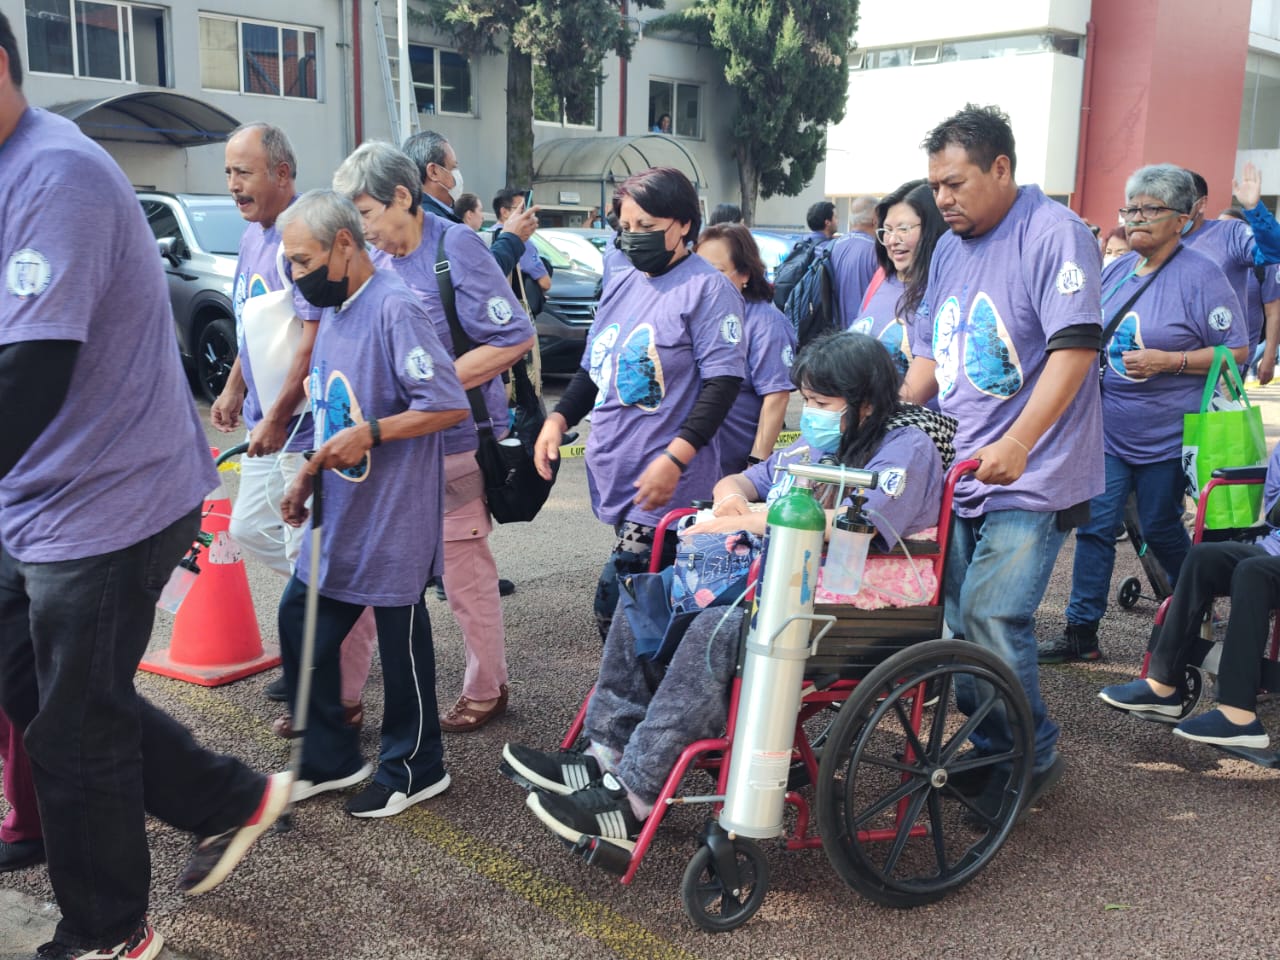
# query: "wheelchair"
877,786
1207,651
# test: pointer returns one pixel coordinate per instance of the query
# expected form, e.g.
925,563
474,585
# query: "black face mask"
646,249
320,291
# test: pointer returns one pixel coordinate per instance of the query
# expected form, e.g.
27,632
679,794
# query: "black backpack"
811,305
791,270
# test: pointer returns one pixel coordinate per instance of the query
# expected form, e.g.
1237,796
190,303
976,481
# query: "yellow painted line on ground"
575,450
580,913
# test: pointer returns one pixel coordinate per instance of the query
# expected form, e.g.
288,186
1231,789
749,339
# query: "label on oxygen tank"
224,549
769,769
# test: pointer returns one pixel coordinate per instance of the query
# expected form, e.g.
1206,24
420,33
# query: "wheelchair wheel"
1194,690
706,901
898,806
1129,593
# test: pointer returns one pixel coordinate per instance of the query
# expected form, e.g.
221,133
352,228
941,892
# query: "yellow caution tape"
231,466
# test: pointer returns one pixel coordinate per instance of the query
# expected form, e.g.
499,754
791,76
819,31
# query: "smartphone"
528,199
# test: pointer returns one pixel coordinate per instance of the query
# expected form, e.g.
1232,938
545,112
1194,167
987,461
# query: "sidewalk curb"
26,922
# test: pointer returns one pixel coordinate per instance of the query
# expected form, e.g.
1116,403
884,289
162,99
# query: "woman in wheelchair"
1250,574
642,715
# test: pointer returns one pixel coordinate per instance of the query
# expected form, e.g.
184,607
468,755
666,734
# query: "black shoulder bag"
514,490
1110,330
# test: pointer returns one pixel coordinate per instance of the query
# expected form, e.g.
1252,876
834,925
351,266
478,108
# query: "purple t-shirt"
654,340
880,320
1270,494
615,263
125,456
771,349
853,264
487,309
531,264
994,302
1190,305
256,274
906,450
376,356
1230,244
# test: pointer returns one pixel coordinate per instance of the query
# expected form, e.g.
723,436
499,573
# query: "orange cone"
215,634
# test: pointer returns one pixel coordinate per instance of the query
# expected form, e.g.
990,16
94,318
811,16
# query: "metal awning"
151,116
605,162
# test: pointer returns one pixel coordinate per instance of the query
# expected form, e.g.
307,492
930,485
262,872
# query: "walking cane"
302,701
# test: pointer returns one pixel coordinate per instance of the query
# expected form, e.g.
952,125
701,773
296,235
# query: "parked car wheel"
215,355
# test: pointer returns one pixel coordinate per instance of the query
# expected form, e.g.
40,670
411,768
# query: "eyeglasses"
1148,211
885,234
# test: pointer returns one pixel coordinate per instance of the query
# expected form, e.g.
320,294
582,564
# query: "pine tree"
570,38
788,62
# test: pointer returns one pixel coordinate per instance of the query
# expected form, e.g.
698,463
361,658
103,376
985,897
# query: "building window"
100,40
453,94
984,49
252,56
548,108
681,102
1260,107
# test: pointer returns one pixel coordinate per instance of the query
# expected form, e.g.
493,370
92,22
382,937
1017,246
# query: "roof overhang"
152,116
610,160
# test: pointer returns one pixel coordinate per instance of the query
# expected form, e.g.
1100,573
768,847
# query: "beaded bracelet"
1183,365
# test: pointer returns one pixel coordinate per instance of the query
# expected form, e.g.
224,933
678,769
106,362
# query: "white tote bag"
271,336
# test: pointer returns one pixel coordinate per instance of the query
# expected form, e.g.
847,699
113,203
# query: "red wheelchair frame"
916,659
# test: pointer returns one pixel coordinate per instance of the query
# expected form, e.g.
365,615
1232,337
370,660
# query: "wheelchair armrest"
1241,474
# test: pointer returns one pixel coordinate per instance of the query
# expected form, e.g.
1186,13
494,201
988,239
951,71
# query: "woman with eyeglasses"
1165,307
908,226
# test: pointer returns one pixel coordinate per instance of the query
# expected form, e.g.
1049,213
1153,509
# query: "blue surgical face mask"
821,428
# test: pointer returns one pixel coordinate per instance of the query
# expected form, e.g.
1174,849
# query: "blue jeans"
71,636
998,566
1159,487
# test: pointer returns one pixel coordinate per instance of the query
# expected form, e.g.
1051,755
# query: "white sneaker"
304,789
379,800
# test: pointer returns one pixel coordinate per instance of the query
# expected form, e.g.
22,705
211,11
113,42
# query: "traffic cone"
215,633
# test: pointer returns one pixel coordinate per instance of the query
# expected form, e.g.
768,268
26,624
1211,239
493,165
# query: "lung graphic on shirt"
335,408
600,361
990,359
895,341
862,325
639,371
1128,336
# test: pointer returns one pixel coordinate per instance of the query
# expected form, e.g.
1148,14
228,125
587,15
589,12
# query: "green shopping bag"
1227,432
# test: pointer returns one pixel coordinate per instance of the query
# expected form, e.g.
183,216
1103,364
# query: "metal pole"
407,102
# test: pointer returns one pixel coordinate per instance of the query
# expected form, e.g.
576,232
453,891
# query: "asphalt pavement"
1149,847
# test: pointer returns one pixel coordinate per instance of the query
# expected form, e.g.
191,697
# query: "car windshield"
547,249
217,223
579,249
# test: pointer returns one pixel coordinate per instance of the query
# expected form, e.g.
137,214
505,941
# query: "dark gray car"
198,236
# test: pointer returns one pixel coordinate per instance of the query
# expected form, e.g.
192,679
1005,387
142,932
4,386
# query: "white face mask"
456,190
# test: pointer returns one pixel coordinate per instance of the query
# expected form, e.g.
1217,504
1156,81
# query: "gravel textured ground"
1150,847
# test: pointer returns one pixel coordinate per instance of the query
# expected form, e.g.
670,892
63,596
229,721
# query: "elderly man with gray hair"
853,260
382,390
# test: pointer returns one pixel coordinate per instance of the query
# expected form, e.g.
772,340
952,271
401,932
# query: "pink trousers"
23,820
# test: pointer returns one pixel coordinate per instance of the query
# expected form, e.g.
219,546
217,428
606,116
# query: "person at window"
470,211
642,716
908,228
382,183
1177,306
754,421
1249,573
663,124
663,364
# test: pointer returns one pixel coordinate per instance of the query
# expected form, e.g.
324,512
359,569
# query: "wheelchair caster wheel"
1130,592
1194,690
709,902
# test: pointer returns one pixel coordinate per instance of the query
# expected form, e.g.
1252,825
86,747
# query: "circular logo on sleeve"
1220,318
892,481
788,356
1070,278
499,311
419,366
731,328
28,273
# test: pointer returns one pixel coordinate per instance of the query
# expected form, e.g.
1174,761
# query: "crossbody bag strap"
1115,321
461,342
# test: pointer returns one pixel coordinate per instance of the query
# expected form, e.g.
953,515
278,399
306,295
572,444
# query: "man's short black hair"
9,43
984,132
1202,185
819,214
505,199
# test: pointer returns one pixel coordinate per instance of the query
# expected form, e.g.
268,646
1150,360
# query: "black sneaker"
379,800
143,944
556,771
215,857
1079,641
602,811
20,853
991,799
277,690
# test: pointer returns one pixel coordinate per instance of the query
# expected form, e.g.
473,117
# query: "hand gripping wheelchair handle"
230,452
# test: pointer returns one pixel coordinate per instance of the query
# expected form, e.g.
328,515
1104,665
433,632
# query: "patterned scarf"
940,428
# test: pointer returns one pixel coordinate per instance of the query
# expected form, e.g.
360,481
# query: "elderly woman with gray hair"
1165,308
383,184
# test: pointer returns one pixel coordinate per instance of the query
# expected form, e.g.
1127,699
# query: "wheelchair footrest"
1263,758
601,853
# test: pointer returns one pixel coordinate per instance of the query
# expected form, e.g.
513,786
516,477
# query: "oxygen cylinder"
773,669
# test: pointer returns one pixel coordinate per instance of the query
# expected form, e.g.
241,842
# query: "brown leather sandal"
462,717
352,716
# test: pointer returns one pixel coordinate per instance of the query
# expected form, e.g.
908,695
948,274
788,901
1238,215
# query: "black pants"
1251,577
71,636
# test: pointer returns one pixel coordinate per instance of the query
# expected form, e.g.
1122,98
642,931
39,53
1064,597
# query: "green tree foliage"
569,39
788,62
